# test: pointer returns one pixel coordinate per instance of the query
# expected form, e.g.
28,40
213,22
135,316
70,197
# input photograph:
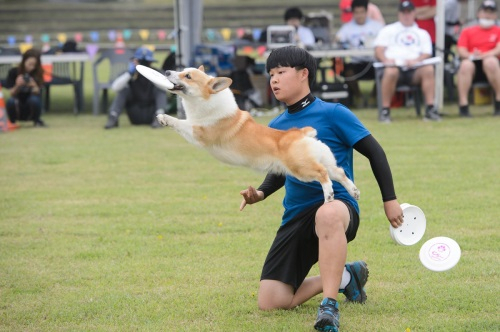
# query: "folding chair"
413,91
66,73
118,59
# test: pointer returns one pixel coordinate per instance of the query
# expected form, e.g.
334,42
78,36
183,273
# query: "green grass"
135,229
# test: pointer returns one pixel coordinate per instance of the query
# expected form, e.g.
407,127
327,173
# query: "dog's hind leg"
337,173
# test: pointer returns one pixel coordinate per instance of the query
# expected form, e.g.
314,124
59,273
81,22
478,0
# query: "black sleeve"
10,80
371,149
272,183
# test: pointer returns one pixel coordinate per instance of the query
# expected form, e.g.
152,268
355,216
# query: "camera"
26,78
25,88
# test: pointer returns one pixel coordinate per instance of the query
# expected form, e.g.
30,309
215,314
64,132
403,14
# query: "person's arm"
271,184
425,12
371,149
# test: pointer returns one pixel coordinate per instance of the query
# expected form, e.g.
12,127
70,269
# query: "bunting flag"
256,34
45,47
94,36
144,34
150,47
210,34
45,38
92,49
23,47
161,34
62,37
240,33
28,39
112,35
226,33
11,40
78,36
126,34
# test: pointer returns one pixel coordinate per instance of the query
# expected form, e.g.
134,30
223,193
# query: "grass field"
135,230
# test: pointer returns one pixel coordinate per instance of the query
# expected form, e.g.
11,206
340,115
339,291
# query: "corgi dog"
215,123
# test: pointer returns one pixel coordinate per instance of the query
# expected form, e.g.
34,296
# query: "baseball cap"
144,54
489,4
406,5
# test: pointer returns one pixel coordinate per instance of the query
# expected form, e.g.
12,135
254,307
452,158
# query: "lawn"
134,229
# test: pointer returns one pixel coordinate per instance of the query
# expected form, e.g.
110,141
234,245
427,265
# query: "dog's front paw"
163,119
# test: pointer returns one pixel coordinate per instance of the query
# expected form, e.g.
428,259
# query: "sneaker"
432,114
497,113
39,123
355,291
112,122
328,316
384,116
464,111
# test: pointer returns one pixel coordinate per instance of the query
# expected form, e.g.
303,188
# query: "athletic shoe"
355,291
112,122
384,116
39,123
328,316
432,114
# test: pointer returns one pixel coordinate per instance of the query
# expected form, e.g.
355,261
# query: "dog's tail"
309,131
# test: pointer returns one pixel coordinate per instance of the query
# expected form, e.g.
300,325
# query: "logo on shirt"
305,103
407,38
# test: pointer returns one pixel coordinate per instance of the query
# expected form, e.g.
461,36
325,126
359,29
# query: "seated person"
373,12
360,32
305,37
142,99
400,46
478,47
25,83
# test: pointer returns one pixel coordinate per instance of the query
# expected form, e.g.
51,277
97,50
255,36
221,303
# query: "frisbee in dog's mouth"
156,78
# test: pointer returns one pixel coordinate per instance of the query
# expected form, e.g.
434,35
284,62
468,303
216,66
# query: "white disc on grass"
440,254
413,228
156,77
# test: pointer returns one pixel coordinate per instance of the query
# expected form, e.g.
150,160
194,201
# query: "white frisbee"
440,254
156,77
413,228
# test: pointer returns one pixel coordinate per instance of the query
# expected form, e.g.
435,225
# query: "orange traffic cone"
5,124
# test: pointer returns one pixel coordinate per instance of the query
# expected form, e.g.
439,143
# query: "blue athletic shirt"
338,128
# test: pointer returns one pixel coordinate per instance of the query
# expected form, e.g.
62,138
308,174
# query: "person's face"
30,64
287,84
487,14
294,22
359,15
407,17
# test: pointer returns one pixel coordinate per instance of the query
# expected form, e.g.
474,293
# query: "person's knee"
466,68
331,217
391,74
34,102
490,65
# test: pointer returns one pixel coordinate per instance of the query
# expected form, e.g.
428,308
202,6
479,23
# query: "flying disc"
413,228
156,77
440,254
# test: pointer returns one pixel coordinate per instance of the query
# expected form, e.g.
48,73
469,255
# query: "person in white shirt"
358,33
305,37
401,46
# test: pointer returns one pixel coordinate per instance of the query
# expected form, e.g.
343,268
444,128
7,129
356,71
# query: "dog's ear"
220,83
201,68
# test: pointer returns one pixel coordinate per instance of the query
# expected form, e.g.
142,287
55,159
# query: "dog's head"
192,82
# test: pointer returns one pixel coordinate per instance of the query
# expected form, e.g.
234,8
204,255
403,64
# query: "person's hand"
20,81
250,196
131,67
394,213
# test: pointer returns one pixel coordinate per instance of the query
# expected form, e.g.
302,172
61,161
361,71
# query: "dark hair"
37,73
295,57
359,3
293,12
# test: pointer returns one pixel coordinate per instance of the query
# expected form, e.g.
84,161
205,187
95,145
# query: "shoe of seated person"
39,123
384,116
432,114
355,290
155,124
112,122
328,319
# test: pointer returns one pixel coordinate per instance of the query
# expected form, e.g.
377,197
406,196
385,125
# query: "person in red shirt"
425,10
478,47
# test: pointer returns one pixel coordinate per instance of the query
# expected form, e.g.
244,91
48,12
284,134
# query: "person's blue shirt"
338,128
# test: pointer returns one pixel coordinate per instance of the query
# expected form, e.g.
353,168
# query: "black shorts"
406,77
479,75
295,247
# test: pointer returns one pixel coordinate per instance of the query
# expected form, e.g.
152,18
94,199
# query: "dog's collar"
301,104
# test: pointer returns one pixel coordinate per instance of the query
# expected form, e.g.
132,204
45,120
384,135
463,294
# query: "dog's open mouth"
177,87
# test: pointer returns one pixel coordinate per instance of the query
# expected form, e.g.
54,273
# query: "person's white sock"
346,279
